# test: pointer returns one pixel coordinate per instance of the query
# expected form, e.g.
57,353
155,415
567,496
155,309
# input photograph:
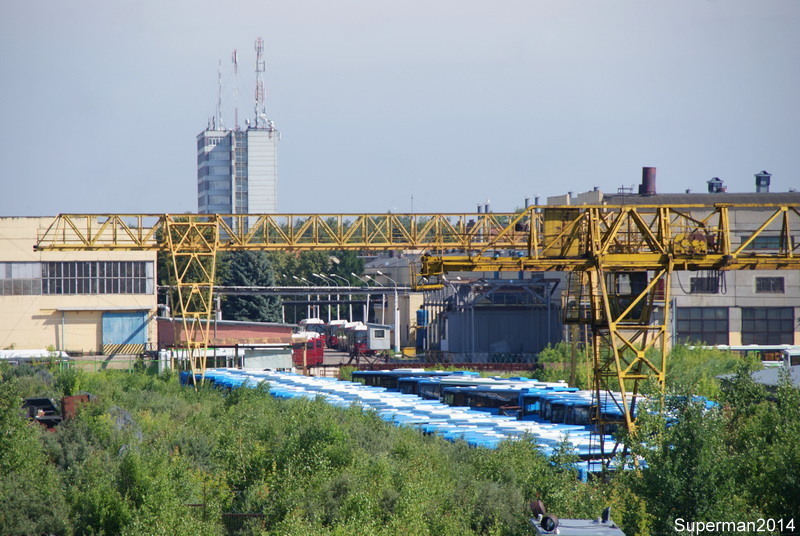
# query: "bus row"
522,398
313,335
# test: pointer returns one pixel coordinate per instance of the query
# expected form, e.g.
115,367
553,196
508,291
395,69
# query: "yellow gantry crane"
620,259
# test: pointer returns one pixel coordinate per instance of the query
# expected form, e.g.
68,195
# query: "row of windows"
204,186
211,141
214,170
214,200
711,285
760,325
76,277
213,156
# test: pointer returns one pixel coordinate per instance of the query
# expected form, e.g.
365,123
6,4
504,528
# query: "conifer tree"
249,268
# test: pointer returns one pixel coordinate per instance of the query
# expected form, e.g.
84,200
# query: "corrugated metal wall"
503,332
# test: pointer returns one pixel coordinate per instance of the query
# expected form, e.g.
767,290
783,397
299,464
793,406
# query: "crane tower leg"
193,246
630,329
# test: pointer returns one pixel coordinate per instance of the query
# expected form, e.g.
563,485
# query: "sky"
425,106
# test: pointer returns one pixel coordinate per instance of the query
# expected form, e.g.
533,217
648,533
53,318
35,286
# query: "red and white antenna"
261,105
235,60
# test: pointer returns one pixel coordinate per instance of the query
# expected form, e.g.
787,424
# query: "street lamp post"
396,313
336,284
327,282
383,298
308,283
366,307
349,296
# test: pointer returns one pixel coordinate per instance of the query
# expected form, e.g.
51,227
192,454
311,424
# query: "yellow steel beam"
544,238
597,240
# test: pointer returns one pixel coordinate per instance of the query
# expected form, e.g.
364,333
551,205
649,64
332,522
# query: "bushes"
134,461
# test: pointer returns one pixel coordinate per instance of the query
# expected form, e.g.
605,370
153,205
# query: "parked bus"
314,346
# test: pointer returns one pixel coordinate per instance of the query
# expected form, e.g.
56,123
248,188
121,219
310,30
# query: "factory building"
81,302
736,307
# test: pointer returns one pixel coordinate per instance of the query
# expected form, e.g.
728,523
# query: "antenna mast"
235,60
220,125
261,105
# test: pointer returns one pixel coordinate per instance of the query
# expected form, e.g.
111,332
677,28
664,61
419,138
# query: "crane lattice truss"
621,259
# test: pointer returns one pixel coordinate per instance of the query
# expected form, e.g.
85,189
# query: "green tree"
249,269
31,496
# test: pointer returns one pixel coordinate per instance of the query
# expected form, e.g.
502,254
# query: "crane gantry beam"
600,244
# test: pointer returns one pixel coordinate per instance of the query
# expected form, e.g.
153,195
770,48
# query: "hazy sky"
453,102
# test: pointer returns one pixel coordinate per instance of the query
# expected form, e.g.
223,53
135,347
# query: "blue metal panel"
124,332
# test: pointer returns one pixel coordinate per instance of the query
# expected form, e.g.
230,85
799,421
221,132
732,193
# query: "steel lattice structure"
599,244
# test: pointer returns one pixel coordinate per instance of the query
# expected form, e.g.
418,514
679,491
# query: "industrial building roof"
703,198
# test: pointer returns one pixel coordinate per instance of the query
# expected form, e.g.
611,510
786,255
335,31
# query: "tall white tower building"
237,170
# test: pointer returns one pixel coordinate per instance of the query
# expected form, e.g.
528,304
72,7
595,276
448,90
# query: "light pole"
336,284
315,312
327,282
383,298
366,308
308,283
396,313
349,296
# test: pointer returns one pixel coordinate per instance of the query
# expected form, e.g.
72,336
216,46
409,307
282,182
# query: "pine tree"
249,268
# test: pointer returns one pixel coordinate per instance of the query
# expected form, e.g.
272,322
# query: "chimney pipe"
648,186
527,202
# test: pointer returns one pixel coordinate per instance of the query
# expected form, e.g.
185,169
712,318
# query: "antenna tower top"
220,124
261,105
235,60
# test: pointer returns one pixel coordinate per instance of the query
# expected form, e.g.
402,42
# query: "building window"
767,325
20,278
708,325
219,155
704,285
97,277
76,277
769,284
767,242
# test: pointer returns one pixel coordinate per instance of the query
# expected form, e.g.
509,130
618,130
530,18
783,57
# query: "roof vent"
715,186
762,182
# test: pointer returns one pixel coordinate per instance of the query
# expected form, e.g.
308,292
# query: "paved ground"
334,357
